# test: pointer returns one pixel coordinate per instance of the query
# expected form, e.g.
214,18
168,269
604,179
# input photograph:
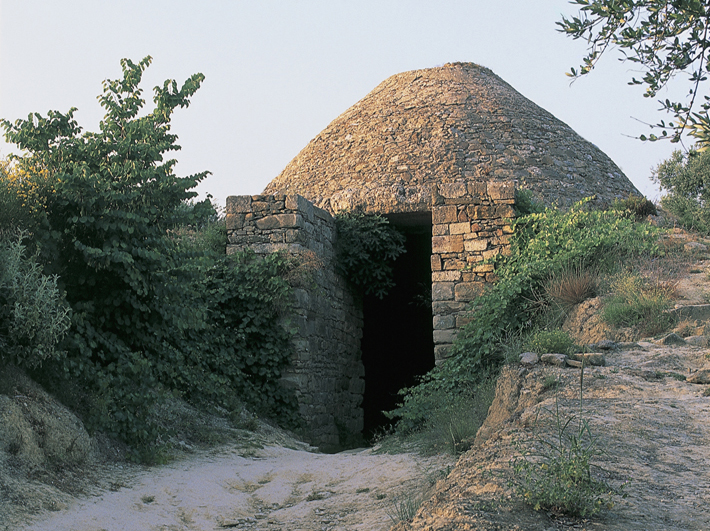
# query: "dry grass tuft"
572,286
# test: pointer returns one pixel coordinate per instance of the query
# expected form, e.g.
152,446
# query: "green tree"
663,37
104,236
686,178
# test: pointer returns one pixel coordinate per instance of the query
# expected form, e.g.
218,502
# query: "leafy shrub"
155,310
526,203
635,206
551,341
33,314
636,302
686,178
365,249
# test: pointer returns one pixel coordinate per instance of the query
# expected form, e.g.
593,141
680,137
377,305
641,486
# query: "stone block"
447,244
442,291
441,353
447,307
454,264
357,386
278,221
445,276
467,291
234,221
439,230
444,322
559,360
477,189
444,337
482,268
238,204
500,190
453,190
529,358
444,214
475,245
459,228
463,320
480,212
435,262
504,211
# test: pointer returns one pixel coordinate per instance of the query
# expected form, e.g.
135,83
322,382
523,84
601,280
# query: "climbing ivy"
366,247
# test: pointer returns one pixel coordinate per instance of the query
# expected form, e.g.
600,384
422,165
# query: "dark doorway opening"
397,342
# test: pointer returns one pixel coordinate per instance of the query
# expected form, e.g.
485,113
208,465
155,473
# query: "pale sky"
278,72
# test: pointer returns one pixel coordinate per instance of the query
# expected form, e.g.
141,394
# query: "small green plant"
555,475
635,303
404,507
550,382
444,420
551,342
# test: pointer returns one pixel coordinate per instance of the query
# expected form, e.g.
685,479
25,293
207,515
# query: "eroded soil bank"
652,427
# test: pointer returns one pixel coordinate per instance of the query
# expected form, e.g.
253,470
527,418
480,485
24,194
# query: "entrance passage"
397,343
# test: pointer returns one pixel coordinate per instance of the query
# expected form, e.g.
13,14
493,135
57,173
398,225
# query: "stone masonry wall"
470,223
327,371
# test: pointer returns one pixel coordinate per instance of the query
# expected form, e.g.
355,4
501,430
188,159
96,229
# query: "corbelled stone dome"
458,122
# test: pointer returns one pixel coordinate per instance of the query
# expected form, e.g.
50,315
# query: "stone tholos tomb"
440,152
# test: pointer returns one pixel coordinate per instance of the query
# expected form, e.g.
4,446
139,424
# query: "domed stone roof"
459,122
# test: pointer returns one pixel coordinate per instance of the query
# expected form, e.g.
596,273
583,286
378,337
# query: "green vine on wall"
366,247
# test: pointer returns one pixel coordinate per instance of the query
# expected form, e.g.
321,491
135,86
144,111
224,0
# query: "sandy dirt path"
273,488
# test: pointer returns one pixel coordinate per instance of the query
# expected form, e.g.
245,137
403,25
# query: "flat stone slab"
590,358
701,376
671,339
529,358
697,341
559,360
695,312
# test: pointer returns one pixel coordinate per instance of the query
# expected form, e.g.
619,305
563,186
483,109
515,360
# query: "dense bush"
636,206
155,309
686,179
365,249
543,244
33,315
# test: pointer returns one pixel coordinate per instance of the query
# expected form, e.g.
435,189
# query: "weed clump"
635,302
555,473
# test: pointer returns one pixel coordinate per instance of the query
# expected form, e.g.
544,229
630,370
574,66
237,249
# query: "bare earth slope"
652,427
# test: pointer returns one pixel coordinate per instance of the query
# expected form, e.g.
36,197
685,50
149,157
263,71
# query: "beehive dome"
458,122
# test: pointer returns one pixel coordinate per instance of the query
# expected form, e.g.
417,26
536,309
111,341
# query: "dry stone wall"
326,371
470,224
